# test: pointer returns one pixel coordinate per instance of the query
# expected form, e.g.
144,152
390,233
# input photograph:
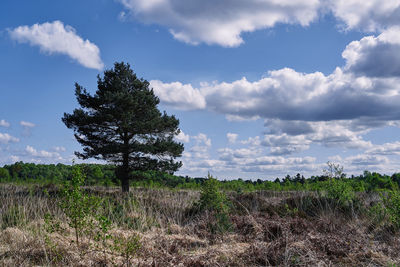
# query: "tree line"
104,175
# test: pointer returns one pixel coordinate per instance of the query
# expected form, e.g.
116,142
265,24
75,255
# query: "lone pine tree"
121,124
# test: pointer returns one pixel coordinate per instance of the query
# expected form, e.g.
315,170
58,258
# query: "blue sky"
262,88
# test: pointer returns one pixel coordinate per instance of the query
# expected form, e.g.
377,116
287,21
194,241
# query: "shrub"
341,192
377,214
77,205
215,202
127,246
391,201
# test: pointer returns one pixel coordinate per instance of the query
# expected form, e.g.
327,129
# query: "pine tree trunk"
125,171
125,184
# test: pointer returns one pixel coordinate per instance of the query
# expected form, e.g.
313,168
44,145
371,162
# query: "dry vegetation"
268,229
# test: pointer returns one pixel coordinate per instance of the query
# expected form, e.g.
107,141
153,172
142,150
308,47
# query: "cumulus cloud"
244,161
54,37
365,90
178,95
284,138
202,139
42,153
367,160
5,138
285,144
4,123
371,15
252,141
221,22
385,149
182,137
201,147
289,95
232,137
300,109
375,56
278,163
228,154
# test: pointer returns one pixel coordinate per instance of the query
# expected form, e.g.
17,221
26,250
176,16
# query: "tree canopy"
121,124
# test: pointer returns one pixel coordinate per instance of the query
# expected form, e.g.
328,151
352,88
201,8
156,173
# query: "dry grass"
270,229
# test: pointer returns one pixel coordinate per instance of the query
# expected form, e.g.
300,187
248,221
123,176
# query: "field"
171,227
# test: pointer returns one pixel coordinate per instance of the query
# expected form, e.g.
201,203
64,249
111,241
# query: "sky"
262,88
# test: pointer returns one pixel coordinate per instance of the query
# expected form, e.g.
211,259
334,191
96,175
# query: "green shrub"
77,205
377,214
341,192
127,246
216,203
4,174
391,201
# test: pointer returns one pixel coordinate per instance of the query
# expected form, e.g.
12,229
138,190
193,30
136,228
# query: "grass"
157,227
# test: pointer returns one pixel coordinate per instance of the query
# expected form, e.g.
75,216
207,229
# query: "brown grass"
269,229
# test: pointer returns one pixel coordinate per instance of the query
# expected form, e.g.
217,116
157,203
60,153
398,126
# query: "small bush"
341,192
216,203
391,201
127,246
78,206
377,214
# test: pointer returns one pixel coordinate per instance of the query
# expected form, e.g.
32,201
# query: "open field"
266,228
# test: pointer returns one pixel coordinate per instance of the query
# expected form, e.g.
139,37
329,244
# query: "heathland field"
70,224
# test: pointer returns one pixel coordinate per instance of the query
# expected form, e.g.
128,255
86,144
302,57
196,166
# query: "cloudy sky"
262,88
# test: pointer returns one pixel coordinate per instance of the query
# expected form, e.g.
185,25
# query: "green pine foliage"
121,124
215,202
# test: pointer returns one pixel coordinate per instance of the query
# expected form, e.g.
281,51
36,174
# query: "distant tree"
121,124
334,170
4,174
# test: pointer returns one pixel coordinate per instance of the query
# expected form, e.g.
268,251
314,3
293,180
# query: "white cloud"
200,149
252,141
54,37
42,153
385,149
371,15
228,154
5,138
232,137
178,95
288,95
287,137
182,137
14,158
27,124
285,144
59,149
367,160
4,123
375,56
221,22
300,109
202,138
